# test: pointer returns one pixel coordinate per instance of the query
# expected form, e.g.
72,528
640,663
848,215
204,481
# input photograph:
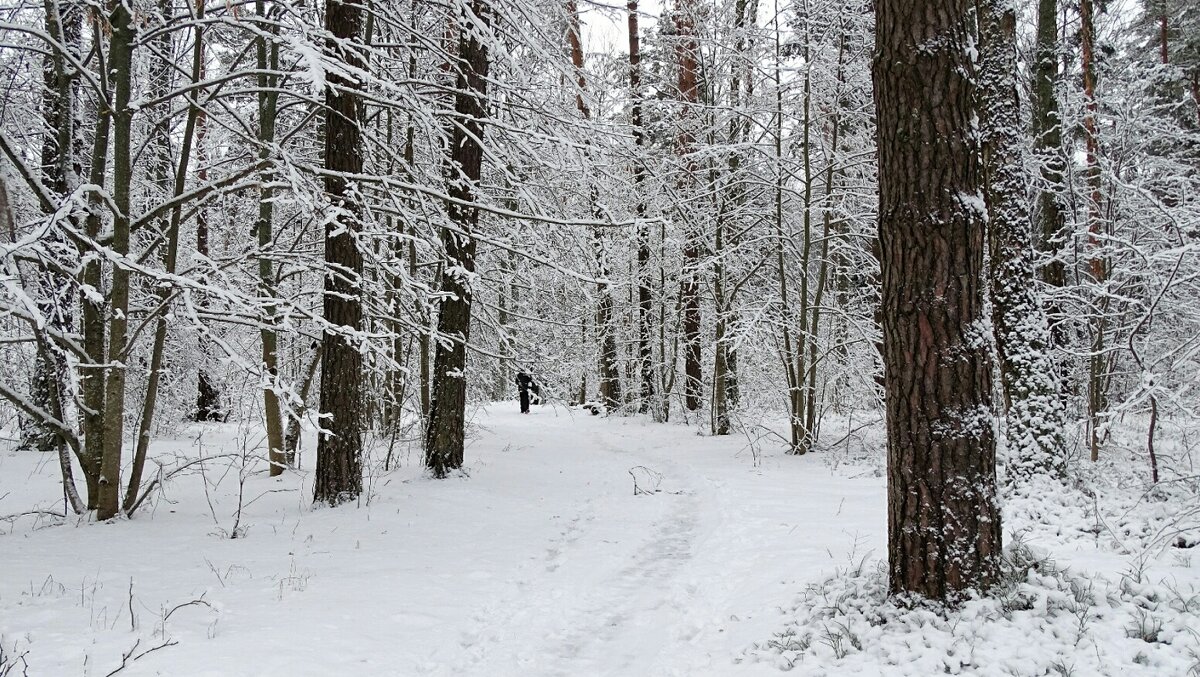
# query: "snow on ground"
542,562
1100,577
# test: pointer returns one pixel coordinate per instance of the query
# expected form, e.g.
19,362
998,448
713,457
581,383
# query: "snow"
542,560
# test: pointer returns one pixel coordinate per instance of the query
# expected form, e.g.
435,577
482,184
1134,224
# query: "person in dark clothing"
524,385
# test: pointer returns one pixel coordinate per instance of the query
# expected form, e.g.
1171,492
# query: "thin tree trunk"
1097,360
943,521
291,439
268,62
92,373
171,258
645,300
50,389
687,54
811,417
724,394
609,367
807,332
208,392
447,418
339,443
124,36
788,351
1047,143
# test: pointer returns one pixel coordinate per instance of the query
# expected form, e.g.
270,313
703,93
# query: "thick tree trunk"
339,443
1035,413
447,417
943,521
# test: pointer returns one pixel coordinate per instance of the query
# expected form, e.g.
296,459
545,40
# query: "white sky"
605,26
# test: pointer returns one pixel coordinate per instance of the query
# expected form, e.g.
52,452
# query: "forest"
865,335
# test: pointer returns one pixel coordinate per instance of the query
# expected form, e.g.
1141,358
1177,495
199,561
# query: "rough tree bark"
687,56
339,444
1097,401
645,352
447,416
943,521
1047,143
1034,407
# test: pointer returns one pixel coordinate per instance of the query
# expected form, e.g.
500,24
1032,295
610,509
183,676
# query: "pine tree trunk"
339,443
687,55
943,521
645,299
1097,400
447,417
1034,407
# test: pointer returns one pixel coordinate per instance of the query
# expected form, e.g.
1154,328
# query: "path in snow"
542,562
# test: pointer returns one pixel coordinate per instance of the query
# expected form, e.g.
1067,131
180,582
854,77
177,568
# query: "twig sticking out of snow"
650,480
130,656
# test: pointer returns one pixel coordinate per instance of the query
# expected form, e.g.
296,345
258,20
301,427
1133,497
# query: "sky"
605,26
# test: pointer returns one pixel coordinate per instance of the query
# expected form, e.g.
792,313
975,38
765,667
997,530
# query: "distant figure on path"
524,385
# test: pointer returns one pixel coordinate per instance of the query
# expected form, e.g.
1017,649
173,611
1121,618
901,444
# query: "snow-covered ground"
544,561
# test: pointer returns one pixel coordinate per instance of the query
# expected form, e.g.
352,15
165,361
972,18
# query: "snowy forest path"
657,582
539,560
610,594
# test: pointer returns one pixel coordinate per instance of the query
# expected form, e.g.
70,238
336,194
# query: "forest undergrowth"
1099,578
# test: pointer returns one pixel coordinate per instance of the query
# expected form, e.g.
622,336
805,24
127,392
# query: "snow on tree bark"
943,521
448,399
1034,406
339,443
